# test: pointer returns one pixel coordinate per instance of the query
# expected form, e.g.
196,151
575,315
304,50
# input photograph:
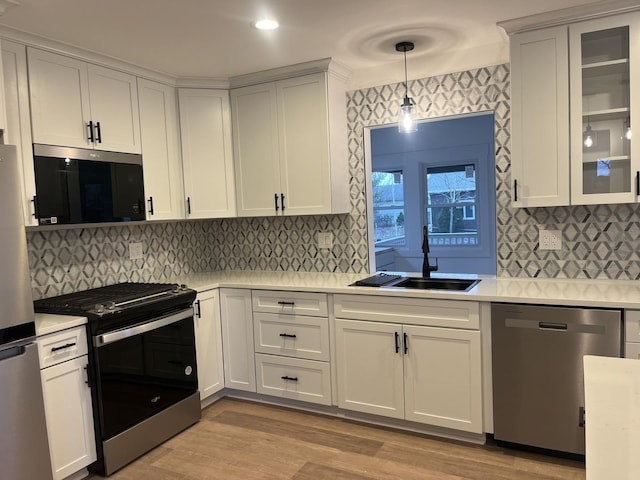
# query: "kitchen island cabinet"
78,104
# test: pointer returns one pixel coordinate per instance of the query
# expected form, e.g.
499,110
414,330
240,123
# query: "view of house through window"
388,207
451,205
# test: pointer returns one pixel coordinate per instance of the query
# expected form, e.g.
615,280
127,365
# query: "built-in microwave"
77,185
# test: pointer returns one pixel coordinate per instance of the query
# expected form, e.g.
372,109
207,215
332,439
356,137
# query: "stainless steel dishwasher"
538,392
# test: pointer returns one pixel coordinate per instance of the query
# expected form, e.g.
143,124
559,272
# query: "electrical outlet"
324,239
135,250
550,240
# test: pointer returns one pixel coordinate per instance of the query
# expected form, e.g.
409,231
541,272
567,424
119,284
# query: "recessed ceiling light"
266,24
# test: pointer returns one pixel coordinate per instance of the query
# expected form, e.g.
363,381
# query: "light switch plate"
325,239
135,250
550,240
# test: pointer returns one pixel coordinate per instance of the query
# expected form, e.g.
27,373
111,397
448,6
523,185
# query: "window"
451,205
388,207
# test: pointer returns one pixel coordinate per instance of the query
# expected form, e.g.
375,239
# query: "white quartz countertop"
593,293
49,323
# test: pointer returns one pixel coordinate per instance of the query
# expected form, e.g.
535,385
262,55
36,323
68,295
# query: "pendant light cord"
406,80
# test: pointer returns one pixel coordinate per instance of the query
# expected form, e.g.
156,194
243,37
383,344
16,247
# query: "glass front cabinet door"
605,97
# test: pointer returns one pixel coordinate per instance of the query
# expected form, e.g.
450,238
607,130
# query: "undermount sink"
458,284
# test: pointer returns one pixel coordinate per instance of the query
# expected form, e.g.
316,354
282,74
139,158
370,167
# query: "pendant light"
407,117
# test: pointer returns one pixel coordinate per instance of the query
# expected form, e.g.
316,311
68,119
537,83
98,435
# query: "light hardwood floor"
244,440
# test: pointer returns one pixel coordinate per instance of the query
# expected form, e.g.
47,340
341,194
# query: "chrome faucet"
426,268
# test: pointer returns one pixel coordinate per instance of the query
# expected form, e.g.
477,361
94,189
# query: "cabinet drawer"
632,350
413,311
62,346
291,335
632,325
294,303
306,380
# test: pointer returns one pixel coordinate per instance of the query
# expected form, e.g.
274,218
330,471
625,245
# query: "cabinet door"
59,94
540,118
208,335
18,132
256,151
304,145
604,103
237,339
161,152
369,366
443,377
67,402
114,109
207,153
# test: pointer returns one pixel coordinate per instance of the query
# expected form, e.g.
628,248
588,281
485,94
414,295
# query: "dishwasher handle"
552,326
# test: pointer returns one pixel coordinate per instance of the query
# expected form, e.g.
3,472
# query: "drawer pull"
288,335
62,347
289,379
290,304
87,381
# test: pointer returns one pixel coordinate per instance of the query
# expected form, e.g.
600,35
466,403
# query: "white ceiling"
214,38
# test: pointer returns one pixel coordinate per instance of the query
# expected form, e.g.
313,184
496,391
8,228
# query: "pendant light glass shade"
627,129
588,137
407,116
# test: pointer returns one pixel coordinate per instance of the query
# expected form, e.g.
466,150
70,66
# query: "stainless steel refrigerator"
24,448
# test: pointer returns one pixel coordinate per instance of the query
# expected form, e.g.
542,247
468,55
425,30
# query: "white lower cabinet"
291,338
67,402
208,333
426,374
237,339
294,378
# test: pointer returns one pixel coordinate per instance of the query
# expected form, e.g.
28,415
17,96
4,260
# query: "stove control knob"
99,308
183,287
176,288
111,305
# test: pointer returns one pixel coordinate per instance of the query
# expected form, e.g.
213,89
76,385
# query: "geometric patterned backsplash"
599,241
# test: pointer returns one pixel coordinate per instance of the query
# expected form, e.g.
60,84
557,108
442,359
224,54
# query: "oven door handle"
107,338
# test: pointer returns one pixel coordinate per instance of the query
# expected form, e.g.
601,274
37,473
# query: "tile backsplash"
599,241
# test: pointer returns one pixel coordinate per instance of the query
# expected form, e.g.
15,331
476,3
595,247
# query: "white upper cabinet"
291,147
605,100
540,118
573,104
207,153
77,104
18,129
161,151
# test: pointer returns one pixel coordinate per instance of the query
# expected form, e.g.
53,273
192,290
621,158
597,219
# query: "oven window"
144,374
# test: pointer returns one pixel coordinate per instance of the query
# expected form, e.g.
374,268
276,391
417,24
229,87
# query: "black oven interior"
140,375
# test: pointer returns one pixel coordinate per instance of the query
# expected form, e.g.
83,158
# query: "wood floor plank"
242,440
314,471
301,432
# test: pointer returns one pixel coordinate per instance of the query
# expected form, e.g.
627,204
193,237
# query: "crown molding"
43,43
297,70
564,16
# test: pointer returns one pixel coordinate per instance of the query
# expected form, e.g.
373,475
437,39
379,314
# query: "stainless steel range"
143,365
